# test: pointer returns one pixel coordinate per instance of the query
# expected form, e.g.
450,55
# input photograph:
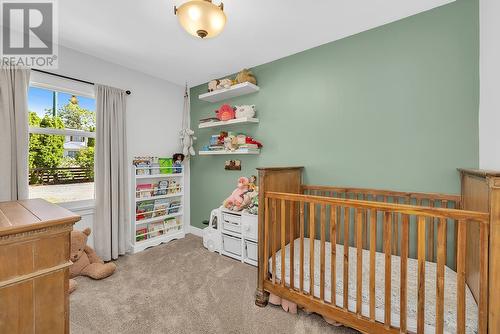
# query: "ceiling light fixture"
201,18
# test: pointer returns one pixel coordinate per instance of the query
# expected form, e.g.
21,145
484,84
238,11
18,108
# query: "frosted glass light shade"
201,18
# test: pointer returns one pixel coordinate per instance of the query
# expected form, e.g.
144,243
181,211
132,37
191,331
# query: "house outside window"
61,145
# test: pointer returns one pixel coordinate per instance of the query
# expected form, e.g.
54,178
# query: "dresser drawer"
231,244
231,222
251,250
250,226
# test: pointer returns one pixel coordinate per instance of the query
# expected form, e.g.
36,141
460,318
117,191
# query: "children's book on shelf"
174,207
144,210
161,188
165,165
144,190
141,234
160,207
172,186
156,229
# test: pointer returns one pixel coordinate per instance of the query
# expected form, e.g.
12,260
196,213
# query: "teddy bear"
212,85
245,111
224,83
246,76
85,260
234,201
231,143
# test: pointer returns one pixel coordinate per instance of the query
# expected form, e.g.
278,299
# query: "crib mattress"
450,284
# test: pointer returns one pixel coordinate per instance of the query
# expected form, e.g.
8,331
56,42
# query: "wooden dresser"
34,266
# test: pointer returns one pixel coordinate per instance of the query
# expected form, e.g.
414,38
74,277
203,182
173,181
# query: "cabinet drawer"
231,244
231,222
251,250
249,225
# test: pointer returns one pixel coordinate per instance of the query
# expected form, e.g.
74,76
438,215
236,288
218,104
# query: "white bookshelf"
228,93
172,217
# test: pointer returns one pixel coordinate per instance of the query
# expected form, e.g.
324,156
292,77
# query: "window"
61,145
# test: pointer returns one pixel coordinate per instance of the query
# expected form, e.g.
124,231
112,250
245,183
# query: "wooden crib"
328,249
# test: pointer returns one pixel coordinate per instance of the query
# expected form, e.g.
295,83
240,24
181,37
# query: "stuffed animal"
234,201
250,140
231,143
246,76
224,83
85,260
212,85
245,111
225,112
187,140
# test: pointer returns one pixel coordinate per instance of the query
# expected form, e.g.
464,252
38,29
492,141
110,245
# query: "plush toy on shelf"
231,143
178,158
235,201
224,83
245,111
225,112
246,76
250,140
212,85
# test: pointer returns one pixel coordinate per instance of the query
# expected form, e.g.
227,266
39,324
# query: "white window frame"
48,82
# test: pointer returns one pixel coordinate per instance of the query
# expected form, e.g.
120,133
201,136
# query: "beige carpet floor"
182,288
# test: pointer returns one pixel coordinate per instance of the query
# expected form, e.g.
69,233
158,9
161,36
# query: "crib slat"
274,239
312,224
266,237
283,241
373,246
346,257
333,255
322,253
461,251
421,274
483,279
359,260
292,244
301,263
430,236
441,261
404,274
395,224
388,273
365,224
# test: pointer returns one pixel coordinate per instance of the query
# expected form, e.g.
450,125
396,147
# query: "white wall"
489,106
154,110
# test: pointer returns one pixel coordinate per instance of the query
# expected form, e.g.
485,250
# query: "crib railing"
294,216
399,197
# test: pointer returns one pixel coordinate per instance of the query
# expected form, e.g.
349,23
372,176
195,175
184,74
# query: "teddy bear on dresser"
85,260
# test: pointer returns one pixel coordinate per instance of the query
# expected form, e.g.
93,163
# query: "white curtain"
111,226
14,137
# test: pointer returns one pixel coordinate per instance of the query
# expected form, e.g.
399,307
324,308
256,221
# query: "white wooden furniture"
238,235
173,228
234,91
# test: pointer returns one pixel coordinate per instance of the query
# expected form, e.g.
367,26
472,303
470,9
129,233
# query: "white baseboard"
196,231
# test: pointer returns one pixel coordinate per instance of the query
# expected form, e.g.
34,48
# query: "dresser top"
32,214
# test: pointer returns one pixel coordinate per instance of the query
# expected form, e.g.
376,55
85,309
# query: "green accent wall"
395,107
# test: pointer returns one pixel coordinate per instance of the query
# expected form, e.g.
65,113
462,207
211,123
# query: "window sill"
88,204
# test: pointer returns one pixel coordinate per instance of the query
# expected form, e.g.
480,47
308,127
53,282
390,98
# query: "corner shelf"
228,93
243,120
238,151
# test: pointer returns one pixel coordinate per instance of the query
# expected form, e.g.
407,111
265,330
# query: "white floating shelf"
155,176
233,91
238,151
242,120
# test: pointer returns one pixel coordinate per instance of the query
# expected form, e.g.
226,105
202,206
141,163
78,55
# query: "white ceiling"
145,35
